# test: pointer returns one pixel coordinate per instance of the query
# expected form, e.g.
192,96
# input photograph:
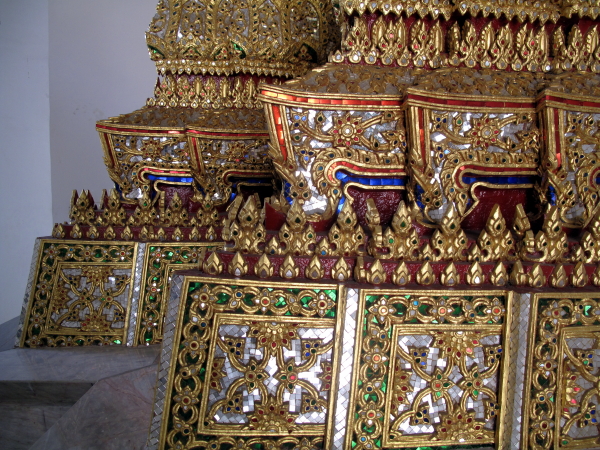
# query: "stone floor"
76,398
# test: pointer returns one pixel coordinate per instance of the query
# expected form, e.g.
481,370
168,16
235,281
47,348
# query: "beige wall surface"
25,188
63,65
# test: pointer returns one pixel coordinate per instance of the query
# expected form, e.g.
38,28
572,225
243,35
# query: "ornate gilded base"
248,363
89,292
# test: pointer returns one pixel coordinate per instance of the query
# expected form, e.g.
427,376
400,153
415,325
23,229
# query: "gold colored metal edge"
287,137
531,336
82,242
32,292
283,89
564,95
244,132
173,364
473,109
178,328
416,90
131,130
168,273
240,319
336,356
357,344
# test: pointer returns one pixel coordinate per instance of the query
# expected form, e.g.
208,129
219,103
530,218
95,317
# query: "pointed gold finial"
126,235
498,276
518,277
273,248
323,248
76,232
521,223
579,276
109,233
145,234
161,235
340,270
401,239
536,277
314,270
449,240
59,231
495,241
263,268
426,254
211,234
449,275
474,275
577,254
92,232
213,264
177,235
238,267
296,236
376,274
194,234
425,275
558,277
401,275
596,276
288,269
474,253
346,235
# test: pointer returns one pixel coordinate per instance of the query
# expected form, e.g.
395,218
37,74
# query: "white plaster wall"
25,187
63,65
99,68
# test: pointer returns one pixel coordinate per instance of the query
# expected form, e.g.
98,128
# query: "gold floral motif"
423,43
160,262
206,92
208,384
248,231
346,236
222,37
562,381
399,383
449,240
81,295
297,237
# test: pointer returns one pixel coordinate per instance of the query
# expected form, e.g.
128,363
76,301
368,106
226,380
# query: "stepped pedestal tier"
400,251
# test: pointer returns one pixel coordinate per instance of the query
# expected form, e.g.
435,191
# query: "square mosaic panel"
429,369
80,293
563,372
160,261
252,365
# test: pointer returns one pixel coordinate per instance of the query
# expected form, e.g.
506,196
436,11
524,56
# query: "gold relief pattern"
561,391
81,295
158,145
206,93
335,78
160,262
328,150
259,378
461,150
430,369
225,37
424,43
572,157
225,161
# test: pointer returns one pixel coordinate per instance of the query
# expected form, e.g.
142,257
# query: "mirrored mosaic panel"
160,261
81,294
429,369
562,372
253,366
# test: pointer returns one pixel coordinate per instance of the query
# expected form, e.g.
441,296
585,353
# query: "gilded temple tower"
367,225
